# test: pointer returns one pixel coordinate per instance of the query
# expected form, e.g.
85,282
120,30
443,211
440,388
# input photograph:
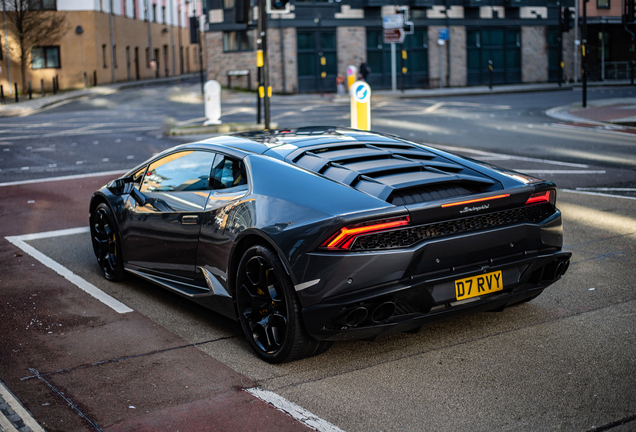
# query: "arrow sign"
395,35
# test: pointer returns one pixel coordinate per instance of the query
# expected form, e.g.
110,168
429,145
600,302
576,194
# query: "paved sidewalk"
26,106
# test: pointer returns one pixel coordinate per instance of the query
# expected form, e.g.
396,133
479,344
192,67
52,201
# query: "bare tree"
32,24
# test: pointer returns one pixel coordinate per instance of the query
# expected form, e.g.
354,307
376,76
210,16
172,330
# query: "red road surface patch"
599,128
102,361
606,112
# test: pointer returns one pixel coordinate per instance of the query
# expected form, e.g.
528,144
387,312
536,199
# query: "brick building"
151,39
521,37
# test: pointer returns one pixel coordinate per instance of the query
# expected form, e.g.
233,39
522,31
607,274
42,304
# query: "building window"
228,4
163,14
43,5
45,57
134,9
238,41
104,56
602,4
154,12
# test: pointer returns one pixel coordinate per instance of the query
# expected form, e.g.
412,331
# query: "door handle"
189,220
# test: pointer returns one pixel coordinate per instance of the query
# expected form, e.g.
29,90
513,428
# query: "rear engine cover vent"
394,171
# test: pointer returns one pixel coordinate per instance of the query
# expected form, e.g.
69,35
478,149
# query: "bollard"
352,75
30,91
2,101
95,78
54,89
85,80
16,93
57,82
490,73
360,105
212,91
42,86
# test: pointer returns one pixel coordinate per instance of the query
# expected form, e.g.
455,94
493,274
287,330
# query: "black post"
17,99
584,48
54,87
631,54
258,94
323,74
2,101
57,82
262,36
42,86
402,67
95,78
30,92
490,73
560,56
85,80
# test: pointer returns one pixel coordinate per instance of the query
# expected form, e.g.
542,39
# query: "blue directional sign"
442,34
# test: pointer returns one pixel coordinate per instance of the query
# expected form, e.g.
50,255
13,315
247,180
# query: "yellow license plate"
478,285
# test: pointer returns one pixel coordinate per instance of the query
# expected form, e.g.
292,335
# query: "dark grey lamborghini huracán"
313,235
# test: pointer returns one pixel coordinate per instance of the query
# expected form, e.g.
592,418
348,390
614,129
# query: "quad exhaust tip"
383,312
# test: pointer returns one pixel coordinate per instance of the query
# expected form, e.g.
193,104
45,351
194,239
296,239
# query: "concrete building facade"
521,38
150,38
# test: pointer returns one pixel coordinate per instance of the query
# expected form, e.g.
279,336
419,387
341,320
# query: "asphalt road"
117,131
565,361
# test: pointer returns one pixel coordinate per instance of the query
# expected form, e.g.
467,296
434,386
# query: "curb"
467,91
222,128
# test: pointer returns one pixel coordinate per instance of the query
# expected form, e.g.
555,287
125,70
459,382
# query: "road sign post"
360,105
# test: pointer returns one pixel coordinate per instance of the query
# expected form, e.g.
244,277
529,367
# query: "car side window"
227,172
185,171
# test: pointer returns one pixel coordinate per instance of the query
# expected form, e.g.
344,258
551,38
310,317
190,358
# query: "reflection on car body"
313,235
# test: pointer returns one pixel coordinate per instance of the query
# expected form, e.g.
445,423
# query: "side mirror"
117,186
138,196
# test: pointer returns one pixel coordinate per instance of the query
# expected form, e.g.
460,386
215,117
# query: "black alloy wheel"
269,311
106,243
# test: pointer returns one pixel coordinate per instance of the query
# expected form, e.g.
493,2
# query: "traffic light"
567,23
242,11
628,12
278,6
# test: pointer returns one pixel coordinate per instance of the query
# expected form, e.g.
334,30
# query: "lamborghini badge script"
472,209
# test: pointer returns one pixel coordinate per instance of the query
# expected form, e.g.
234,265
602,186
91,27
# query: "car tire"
269,310
106,243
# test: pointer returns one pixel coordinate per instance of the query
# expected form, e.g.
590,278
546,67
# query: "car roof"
284,141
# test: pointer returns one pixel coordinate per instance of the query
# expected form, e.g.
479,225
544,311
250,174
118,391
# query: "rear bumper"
423,301
419,281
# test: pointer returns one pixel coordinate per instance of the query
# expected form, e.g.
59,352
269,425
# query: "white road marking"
508,157
606,189
71,177
293,410
596,194
20,242
17,407
562,171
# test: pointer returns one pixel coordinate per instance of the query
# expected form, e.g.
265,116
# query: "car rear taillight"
345,236
540,197
476,200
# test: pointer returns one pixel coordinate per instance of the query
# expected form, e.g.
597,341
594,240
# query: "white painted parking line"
87,287
18,409
596,194
71,177
293,410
